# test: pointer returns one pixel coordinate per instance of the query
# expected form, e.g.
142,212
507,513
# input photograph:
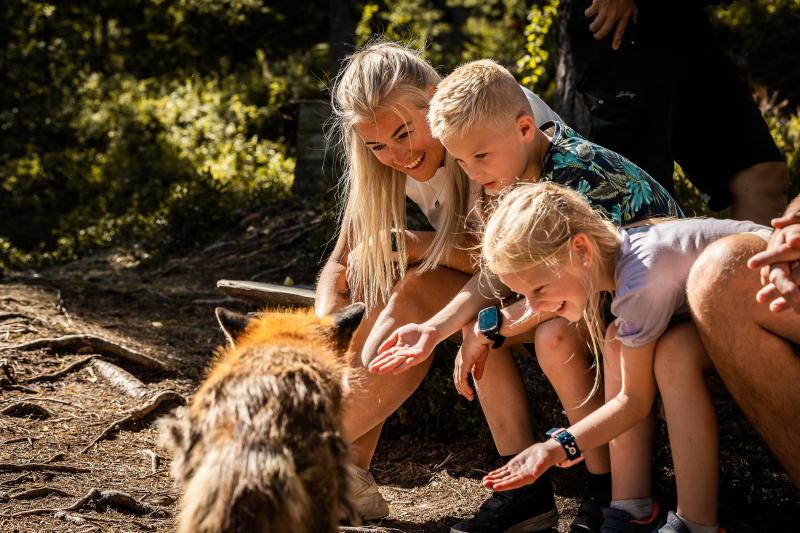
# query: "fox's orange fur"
260,448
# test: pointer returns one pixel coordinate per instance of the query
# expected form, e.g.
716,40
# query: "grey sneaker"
676,525
364,495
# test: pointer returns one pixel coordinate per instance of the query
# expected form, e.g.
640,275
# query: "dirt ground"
165,312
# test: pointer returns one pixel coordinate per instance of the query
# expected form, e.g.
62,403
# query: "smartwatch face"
488,319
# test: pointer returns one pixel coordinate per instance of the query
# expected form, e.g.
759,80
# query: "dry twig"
41,467
96,344
58,374
102,499
137,414
26,410
38,492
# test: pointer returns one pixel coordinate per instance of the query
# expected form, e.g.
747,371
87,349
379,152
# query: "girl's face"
561,292
401,139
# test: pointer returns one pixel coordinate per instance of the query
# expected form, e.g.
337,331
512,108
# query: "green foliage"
534,66
450,32
146,124
164,163
762,38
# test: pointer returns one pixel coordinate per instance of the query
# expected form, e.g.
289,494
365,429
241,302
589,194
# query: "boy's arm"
411,344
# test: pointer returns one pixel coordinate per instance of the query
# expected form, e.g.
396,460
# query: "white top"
652,268
425,194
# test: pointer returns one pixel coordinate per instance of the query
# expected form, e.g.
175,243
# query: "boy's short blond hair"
478,94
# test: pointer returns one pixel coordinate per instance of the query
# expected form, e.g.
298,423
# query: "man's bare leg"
753,349
759,192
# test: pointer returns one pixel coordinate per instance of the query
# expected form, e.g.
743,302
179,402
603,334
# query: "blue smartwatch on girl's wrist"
567,441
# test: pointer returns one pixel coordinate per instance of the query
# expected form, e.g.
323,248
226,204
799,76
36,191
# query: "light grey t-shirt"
652,268
425,194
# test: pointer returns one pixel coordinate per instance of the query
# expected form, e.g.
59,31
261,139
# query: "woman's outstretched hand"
408,346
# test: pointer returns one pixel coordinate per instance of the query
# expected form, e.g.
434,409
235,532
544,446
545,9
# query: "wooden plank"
268,293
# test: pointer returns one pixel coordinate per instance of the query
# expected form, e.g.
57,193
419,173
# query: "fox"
259,449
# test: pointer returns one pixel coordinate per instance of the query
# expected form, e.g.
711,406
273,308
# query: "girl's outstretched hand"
523,469
408,346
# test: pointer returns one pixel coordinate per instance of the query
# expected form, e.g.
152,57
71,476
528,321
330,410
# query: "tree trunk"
569,104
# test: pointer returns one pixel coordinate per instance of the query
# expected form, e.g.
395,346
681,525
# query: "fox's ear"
345,323
232,323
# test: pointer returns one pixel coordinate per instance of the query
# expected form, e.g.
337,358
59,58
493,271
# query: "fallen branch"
38,492
18,479
58,374
55,400
368,529
137,414
122,379
26,410
29,440
5,315
16,387
96,344
42,467
120,501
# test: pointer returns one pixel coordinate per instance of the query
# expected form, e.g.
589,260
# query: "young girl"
546,243
380,102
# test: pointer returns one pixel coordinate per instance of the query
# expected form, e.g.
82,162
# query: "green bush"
162,163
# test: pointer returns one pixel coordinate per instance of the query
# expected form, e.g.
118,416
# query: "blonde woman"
380,102
546,243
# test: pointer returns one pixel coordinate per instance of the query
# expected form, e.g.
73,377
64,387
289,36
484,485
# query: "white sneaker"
364,495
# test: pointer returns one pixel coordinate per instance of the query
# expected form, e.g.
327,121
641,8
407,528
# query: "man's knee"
556,340
720,278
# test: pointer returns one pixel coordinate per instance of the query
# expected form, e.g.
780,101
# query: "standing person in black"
660,89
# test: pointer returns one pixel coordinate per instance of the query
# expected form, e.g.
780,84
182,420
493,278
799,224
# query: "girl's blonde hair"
534,223
384,75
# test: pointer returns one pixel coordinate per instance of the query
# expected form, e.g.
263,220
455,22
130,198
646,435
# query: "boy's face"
401,139
495,159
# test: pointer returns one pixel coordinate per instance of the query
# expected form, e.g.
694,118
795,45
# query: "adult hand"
523,469
610,14
408,346
780,274
471,358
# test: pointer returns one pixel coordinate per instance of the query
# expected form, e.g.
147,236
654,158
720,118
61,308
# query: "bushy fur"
260,449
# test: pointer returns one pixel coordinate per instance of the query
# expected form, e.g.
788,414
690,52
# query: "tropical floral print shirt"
625,192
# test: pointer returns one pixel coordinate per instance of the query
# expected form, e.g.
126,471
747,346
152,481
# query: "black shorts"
670,94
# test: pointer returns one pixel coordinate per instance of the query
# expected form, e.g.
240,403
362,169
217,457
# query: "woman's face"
401,139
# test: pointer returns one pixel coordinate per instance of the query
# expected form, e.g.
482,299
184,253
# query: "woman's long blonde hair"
533,224
384,75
